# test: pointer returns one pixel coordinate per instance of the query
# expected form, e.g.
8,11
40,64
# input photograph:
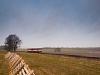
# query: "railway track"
78,55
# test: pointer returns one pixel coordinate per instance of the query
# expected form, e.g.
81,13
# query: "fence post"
18,65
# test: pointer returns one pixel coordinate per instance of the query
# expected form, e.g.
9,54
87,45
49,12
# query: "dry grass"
4,66
54,65
59,65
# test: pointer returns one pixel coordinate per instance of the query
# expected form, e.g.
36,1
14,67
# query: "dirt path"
94,55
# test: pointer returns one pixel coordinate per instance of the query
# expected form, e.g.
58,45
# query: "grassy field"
4,66
44,64
65,51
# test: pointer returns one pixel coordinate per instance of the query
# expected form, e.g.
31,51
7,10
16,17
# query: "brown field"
47,64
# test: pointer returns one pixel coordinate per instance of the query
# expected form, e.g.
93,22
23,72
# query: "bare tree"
12,42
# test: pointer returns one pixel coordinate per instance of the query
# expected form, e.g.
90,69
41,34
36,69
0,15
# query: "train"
34,50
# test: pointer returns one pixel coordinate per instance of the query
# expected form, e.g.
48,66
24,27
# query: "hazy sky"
51,23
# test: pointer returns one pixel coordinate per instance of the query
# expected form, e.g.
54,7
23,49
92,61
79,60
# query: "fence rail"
18,65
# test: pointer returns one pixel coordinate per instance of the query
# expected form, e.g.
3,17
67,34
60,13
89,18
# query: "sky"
51,23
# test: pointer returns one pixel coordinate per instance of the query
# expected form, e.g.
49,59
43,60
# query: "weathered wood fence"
18,65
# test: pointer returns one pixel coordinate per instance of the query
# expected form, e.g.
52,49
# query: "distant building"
57,49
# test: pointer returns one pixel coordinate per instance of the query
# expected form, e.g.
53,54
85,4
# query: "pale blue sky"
51,23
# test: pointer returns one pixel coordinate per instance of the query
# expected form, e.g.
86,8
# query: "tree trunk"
14,49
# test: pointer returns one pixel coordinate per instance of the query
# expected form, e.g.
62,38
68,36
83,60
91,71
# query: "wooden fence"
18,65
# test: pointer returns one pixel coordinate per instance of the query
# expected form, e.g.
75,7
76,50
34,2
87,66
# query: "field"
4,66
45,64
76,52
